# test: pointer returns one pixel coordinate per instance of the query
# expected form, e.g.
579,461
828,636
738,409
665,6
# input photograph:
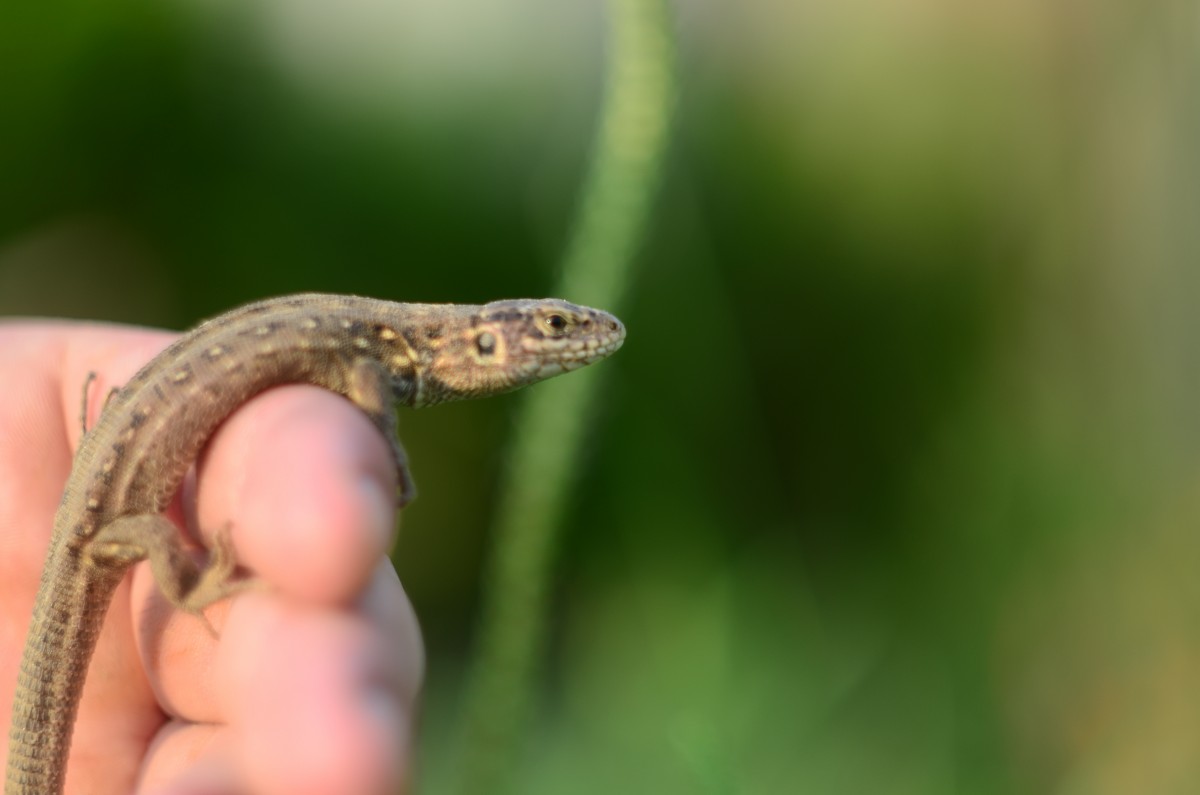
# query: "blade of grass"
551,426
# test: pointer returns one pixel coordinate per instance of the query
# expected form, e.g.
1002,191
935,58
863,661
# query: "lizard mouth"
579,351
571,354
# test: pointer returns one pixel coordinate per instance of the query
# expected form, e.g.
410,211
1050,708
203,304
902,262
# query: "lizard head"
505,345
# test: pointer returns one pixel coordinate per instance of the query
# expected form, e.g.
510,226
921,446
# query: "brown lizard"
130,465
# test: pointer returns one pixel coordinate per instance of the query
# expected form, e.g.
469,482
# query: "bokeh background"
894,487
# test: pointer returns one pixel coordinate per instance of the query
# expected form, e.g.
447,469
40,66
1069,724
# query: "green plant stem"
552,422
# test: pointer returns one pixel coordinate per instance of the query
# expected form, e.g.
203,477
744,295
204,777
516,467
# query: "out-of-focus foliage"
895,484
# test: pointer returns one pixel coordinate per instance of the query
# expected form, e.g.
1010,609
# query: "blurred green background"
893,487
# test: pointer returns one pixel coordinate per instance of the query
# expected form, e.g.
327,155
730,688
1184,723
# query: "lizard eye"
556,322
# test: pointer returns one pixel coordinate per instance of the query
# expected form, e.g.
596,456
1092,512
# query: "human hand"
310,684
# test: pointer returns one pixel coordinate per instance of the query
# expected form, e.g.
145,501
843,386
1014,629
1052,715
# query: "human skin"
309,684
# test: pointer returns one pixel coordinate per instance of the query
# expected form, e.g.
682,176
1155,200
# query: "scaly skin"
130,465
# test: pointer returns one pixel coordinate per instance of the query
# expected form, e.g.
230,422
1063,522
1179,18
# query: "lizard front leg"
369,387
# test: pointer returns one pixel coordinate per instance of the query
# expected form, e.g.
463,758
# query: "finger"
34,461
189,758
323,702
307,485
43,416
40,425
317,699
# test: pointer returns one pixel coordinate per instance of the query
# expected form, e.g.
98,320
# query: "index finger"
307,485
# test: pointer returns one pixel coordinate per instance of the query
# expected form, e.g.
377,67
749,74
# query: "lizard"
130,464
